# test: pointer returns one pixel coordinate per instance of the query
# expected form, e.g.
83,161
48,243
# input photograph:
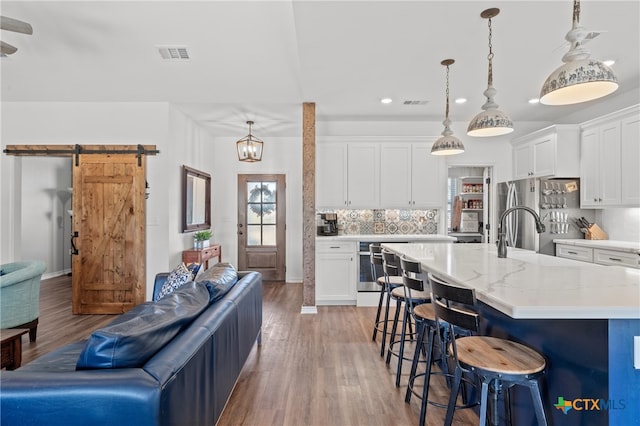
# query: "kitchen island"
582,317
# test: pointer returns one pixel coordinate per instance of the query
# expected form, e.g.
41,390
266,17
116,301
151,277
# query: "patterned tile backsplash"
386,221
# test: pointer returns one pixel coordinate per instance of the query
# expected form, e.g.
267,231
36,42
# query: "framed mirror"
196,200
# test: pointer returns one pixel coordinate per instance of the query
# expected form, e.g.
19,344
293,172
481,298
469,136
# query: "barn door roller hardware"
77,150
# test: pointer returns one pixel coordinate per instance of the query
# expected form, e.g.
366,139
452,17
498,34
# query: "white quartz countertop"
625,246
388,237
531,285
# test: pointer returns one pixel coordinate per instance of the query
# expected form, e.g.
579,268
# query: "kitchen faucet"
502,242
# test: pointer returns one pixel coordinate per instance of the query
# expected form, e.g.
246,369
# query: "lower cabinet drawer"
573,252
611,257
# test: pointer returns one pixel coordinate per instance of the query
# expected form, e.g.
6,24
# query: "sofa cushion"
218,279
176,279
134,337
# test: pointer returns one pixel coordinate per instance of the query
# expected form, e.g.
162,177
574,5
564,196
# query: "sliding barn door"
108,269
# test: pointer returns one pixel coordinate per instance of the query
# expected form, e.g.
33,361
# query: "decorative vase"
205,243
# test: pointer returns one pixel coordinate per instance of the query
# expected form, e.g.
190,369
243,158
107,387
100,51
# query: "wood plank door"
108,271
261,225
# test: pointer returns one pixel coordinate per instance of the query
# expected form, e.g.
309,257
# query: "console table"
202,255
12,347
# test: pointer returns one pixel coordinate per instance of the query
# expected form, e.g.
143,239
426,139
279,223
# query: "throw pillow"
219,279
176,279
133,338
194,268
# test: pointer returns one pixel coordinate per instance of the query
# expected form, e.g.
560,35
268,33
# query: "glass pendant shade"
249,148
447,144
490,121
580,78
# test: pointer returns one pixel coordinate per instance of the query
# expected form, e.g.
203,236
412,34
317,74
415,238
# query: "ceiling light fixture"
386,100
461,100
534,101
580,78
249,147
491,121
447,144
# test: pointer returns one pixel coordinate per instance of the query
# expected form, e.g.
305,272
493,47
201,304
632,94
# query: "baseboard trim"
309,310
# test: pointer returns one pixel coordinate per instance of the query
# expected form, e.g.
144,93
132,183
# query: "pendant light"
249,148
491,121
447,144
580,78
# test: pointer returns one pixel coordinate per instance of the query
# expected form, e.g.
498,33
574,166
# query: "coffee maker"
327,224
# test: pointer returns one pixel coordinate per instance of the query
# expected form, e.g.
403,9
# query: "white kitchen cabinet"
331,175
613,257
552,151
609,160
363,175
583,254
336,273
410,177
428,177
630,160
597,255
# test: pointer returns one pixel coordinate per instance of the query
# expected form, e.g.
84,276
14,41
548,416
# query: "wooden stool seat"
425,311
394,281
398,293
497,355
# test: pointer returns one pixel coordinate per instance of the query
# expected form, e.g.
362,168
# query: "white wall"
71,123
282,155
621,224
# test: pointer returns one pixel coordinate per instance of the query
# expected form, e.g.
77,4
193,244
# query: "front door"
261,225
109,227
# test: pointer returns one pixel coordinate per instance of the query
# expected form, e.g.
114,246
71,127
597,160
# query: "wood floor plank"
310,369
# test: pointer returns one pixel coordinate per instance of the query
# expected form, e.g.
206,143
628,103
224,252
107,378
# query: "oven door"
366,278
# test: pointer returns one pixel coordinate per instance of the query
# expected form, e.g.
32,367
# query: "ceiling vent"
174,53
415,102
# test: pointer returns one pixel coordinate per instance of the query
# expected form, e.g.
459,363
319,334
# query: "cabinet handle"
572,252
334,247
617,260
595,200
599,200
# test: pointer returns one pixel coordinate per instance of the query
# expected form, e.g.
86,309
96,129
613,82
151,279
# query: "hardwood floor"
310,369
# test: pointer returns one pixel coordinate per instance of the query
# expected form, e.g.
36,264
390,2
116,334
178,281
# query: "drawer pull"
617,260
572,252
334,247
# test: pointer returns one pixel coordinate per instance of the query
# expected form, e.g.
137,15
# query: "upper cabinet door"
428,178
630,157
331,175
589,168
610,177
522,161
395,175
363,175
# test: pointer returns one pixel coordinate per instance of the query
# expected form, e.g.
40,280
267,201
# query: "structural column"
309,206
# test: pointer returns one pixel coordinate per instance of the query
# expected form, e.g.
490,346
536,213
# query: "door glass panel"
269,213
261,213
269,235
254,235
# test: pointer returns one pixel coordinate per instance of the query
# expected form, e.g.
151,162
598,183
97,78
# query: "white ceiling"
261,59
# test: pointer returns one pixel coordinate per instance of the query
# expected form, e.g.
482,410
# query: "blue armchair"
20,295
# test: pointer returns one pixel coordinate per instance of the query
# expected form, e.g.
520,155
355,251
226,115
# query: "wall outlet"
636,352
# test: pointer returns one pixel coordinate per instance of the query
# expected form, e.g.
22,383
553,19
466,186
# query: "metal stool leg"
375,324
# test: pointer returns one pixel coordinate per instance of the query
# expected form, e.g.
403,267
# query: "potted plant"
201,239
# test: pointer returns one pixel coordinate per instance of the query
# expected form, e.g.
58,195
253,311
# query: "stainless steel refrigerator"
557,201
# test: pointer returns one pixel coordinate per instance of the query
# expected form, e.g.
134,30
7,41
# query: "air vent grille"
415,102
174,53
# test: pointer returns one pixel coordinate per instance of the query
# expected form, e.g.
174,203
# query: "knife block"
596,233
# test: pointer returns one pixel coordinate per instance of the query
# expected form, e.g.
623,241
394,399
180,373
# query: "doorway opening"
468,203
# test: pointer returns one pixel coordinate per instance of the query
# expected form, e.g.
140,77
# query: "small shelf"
470,193
472,210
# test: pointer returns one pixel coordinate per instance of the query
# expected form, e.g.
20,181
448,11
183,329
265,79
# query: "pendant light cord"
446,111
490,57
576,13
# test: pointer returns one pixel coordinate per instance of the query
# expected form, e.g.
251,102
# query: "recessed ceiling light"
534,100
609,62
460,100
386,100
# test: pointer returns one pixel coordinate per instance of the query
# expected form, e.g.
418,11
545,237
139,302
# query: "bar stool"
496,362
375,255
404,296
391,279
424,317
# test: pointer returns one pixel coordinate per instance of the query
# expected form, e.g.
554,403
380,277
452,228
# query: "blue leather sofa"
186,382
